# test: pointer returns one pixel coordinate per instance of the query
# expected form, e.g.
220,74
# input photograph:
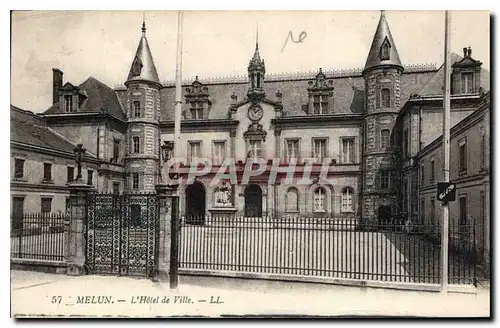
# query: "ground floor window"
292,200
319,200
347,200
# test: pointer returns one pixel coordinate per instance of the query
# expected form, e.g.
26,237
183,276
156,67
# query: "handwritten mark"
301,39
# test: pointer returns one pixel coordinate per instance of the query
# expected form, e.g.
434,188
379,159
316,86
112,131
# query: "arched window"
292,200
319,200
385,95
347,200
385,135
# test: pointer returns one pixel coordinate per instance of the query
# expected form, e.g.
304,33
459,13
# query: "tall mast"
446,152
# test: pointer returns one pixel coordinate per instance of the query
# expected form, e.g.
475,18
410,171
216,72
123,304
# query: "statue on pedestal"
223,194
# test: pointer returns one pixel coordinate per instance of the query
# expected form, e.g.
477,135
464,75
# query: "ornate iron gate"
122,234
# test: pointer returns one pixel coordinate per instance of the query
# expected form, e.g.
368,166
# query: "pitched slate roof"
97,96
348,93
29,128
434,87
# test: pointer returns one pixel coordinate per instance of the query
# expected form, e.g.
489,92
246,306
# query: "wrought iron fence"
38,236
325,247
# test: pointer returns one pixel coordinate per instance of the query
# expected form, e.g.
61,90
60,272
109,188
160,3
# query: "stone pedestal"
165,195
77,220
219,215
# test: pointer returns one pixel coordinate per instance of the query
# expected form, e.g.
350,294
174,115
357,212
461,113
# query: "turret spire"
383,51
143,67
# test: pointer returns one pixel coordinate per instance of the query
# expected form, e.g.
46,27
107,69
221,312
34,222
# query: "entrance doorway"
384,214
195,203
253,201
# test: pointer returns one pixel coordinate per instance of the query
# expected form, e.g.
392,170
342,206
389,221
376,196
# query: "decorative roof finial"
257,37
143,24
382,13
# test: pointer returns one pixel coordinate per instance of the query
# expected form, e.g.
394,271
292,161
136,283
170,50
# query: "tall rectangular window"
219,152
462,151
422,211
319,149
194,150
467,83
483,150
463,213
137,108
320,104
116,188
348,153
46,204
70,174
197,110
292,150
116,149
405,196
135,180
385,95
422,174
18,168
17,211
255,149
90,177
47,171
406,143
385,135
433,169
433,214
68,103
384,179
136,145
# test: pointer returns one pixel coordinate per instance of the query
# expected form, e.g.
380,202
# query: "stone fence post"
165,194
77,220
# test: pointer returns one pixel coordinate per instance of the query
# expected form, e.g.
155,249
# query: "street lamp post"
79,156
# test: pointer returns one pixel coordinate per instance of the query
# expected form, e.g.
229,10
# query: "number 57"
56,299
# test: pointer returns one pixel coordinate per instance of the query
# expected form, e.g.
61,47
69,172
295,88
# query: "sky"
102,44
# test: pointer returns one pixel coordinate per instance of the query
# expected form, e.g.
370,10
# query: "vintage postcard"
250,164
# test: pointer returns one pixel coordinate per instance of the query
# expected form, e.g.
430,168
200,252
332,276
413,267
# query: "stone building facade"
42,166
352,120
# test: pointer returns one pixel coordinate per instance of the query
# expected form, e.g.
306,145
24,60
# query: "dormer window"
68,103
466,75
467,83
136,66
320,104
137,108
385,50
198,100
320,95
197,110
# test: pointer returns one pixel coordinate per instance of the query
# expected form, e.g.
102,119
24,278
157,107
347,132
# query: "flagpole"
446,151
178,91
175,219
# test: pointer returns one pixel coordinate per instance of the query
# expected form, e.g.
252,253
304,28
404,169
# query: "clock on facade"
255,113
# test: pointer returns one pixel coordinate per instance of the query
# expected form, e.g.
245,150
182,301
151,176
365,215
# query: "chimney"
57,82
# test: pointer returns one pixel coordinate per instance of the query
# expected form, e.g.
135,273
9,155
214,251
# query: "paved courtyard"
385,256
